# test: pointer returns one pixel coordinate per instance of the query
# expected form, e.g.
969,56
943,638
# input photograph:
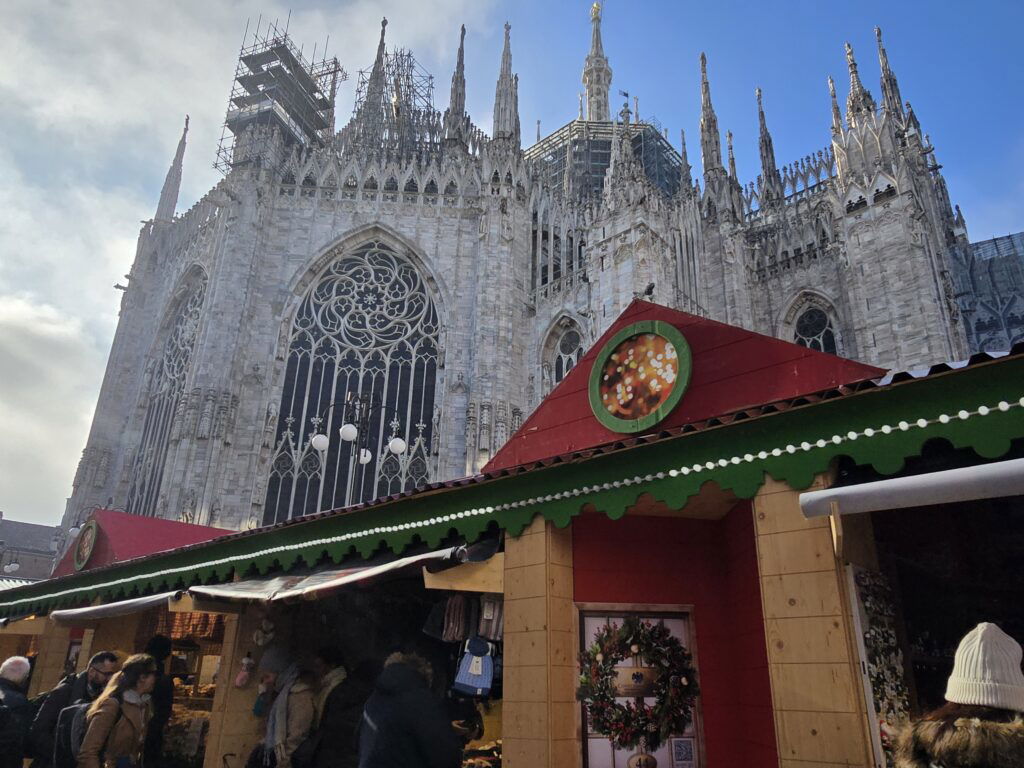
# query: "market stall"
680,511
931,554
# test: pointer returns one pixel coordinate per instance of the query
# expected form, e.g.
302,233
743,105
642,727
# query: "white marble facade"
423,276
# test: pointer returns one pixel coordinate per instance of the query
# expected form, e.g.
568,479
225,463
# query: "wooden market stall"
672,509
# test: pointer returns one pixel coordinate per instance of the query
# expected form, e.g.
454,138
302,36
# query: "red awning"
119,536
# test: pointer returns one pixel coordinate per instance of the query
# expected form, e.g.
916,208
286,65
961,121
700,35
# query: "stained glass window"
163,388
367,327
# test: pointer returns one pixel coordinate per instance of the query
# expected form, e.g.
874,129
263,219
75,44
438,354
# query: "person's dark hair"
128,677
159,647
331,655
950,712
102,658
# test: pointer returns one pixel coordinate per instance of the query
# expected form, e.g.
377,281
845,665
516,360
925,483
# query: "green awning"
979,407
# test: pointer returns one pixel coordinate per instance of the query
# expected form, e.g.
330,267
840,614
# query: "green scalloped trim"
990,436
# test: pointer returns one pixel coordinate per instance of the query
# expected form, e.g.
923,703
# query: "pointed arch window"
814,329
568,353
367,326
163,390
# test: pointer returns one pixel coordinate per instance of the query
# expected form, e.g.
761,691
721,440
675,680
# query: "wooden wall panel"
233,729
540,717
49,667
820,717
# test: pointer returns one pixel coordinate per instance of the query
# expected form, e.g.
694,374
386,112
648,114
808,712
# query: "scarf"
134,697
331,681
277,720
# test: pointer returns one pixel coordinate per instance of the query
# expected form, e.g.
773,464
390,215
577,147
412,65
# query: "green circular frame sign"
85,543
639,376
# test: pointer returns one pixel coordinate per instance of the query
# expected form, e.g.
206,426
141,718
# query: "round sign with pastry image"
639,376
85,544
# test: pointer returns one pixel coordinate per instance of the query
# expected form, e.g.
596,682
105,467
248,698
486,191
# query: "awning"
985,481
307,585
75,616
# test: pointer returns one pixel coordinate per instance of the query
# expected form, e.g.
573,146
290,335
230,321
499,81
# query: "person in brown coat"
116,722
290,714
981,725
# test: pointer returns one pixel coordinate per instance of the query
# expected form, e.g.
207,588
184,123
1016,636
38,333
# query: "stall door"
681,751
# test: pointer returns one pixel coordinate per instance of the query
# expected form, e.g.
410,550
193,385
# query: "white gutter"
985,481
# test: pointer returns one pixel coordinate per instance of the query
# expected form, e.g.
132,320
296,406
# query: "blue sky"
93,108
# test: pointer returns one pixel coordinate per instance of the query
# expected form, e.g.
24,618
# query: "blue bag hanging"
476,669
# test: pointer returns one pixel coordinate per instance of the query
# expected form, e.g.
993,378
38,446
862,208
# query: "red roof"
733,369
121,537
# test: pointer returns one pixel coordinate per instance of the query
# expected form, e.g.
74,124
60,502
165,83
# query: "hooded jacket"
70,690
969,743
404,726
14,734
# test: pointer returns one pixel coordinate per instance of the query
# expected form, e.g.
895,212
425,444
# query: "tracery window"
814,330
163,387
366,327
568,353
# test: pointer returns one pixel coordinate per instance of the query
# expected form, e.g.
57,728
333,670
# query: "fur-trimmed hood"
970,743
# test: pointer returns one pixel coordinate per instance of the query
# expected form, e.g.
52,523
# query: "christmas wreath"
634,723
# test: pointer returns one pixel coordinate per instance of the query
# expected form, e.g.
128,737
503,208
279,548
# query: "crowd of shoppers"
324,715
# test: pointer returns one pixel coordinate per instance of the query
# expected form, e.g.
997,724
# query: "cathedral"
349,314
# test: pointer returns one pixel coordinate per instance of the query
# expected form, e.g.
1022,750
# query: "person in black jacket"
75,689
17,718
161,701
404,725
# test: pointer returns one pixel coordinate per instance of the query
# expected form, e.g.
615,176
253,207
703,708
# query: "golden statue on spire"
595,12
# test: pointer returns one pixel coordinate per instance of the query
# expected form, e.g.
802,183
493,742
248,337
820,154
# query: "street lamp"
355,429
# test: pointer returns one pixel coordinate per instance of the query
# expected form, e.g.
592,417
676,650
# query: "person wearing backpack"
115,725
83,687
17,710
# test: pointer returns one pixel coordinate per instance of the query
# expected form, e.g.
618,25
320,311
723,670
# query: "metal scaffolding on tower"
276,89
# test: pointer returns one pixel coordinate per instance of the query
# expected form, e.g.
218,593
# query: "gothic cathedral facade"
433,283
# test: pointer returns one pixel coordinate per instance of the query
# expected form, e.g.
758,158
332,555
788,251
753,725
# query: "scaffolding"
277,90
583,148
394,109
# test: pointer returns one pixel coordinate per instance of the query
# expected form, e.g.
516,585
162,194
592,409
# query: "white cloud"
51,370
92,100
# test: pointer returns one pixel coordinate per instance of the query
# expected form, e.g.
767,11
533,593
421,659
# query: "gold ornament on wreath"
666,674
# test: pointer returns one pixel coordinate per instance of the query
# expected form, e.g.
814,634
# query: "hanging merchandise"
472,618
434,625
476,669
454,619
245,673
492,617
264,633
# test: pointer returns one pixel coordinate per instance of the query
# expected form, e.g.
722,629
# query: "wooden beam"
836,524
189,604
33,625
488,576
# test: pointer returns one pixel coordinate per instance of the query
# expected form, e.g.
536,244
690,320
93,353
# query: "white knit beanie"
986,670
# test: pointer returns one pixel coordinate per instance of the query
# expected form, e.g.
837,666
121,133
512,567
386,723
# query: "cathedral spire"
685,177
506,96
597,74
859,101
172,184
732,158
837,118
375,85
455,117
890,88
769,170
710,139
